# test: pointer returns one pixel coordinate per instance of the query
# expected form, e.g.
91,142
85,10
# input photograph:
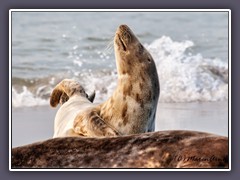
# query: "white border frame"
119,10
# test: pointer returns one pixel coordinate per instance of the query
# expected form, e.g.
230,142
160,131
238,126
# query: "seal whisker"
109,47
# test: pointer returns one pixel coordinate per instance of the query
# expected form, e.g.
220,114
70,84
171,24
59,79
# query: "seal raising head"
132,107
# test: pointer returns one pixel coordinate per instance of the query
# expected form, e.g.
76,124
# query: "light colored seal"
132,107
76,102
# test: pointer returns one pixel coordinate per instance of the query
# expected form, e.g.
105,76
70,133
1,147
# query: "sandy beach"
34,124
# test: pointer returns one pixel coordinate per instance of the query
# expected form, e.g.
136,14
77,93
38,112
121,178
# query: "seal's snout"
123,37
123,27
121,41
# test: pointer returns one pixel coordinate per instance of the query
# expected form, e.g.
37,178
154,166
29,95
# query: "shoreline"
209,117
33,124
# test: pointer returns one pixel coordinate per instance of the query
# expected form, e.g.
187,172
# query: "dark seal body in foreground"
164,149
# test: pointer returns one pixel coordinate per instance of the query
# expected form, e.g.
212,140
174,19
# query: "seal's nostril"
122,43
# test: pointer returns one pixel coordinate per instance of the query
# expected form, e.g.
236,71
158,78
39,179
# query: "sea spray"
184,77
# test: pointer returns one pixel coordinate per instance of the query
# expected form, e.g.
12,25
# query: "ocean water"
190,50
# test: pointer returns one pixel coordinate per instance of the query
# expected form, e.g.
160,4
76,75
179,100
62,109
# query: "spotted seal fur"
132,107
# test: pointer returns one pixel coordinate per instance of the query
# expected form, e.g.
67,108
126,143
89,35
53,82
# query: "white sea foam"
183,76
26,99
77,62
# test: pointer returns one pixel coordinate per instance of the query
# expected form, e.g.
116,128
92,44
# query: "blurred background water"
190,50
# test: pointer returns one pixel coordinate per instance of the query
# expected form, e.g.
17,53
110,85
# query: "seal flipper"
91,97
71,133
64,90
55,97
64,98
92,125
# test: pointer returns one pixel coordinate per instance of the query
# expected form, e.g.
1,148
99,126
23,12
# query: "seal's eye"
149,60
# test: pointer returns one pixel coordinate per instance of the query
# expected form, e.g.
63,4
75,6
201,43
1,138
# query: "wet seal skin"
165,149
130,110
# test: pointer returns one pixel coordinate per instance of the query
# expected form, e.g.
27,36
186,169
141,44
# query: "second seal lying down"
163,149
130,110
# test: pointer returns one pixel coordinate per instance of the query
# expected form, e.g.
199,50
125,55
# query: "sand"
35,124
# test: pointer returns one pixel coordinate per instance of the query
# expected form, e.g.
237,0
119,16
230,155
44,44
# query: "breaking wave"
183,76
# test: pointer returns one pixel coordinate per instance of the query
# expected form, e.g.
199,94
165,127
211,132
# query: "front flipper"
92,125
71,133
67,88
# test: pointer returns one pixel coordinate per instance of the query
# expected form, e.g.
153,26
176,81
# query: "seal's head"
132,58
135,64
